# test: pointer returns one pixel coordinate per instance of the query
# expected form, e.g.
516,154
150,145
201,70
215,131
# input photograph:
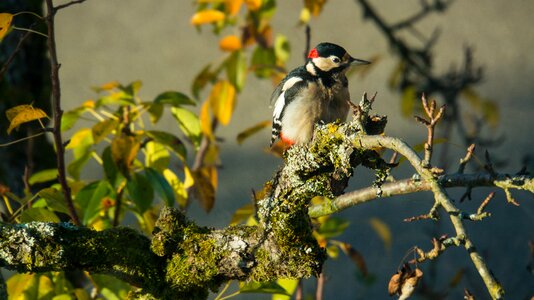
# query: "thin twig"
13,54
57,111
320,286
308,42
466,158
68,4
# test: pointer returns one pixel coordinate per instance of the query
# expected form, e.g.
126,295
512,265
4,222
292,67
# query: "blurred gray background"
153,41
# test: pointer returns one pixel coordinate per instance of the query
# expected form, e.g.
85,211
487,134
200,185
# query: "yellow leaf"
177,186
383,231
204,189
230,43
22,114
189,180
124,150
253,5
207,16
233,6
5,22
222,101
82,138
242,214
205,120
89,104
109,85
305,16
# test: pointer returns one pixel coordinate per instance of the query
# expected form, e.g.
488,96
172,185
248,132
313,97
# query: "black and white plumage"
315,92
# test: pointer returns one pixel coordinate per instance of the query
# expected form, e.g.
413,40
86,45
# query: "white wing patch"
281,100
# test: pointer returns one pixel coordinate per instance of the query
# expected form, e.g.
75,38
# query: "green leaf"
101,129
173,98
75,167
69,118
132,89
333,227
188,123
156,156
282,49
21,114
29,286
155,111
43,176
262,287
54,199
111,287
263,62
289,285
202,79
112,172
160,184
177,186
140,191
245,134
38,214
169,140
115,98
236,69
90,199
408,101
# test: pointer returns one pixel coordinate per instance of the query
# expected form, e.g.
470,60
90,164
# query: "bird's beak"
356,62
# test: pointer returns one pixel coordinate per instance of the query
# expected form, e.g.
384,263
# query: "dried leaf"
124,149
5,23
204,189
207,16
22,114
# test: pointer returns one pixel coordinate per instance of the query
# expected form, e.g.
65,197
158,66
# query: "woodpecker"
312,93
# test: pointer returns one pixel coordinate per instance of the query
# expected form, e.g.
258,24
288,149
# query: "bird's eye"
336,59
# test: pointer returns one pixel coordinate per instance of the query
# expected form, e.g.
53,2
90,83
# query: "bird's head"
328,57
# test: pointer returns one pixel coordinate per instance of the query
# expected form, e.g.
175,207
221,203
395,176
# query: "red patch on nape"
313,53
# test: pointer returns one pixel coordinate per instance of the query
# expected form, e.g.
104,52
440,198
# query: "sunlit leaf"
29,286
242,214
262,287
204,189
180,192
169,140
101,129
205,120
124,150
38,214
22,114
305,16
383,231
355,256
189,123
54,199
81,139
222,101
233,6
140,191
333,227
236,69
69,118
289,285
253,5
81,145
230,43
132,89
408,101
332,251
207,16
156,156
315,6
110,287
5,23
161,186
173,98
43,176
155,111
282,49
245,134
108,86
115,98
90,199
17,284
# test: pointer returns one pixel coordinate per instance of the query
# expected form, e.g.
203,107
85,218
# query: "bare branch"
68,4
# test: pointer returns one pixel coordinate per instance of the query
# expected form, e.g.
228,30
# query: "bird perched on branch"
315,92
